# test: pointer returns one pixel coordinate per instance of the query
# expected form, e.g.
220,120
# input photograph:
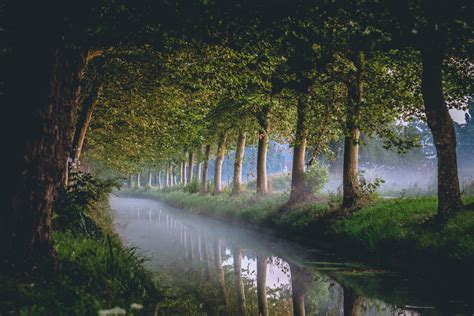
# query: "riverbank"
396,233
93,270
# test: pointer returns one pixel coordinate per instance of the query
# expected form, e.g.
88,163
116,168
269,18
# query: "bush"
81,206
316,176
193,187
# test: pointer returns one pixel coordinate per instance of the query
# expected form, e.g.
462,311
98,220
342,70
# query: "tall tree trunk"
150,178
181,178
171,175
219,162
139,184
191,166
262,152
167,175
441,125
239,284
262,285
42,71
198,170
220,269
160,184
204,185
185,182
239,158
299,189
130,181
355,90
83,123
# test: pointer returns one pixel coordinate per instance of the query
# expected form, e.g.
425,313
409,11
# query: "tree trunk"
262,285
191,166
150,178
262,152
204,186
171,175
42,72
198,171
83,123
167,175
130,181
219,161
160,184
185,182
239,284
220,269
139,184
299,189
181,176
441,125
239,158
352,138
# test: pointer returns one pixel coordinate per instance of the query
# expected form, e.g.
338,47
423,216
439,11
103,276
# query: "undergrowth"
94,270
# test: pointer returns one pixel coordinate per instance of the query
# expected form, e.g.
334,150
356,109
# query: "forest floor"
400,233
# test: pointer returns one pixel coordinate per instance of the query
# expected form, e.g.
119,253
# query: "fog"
192,251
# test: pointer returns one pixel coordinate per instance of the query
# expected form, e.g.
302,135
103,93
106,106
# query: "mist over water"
198,256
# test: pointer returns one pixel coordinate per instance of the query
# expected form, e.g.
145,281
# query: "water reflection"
234,271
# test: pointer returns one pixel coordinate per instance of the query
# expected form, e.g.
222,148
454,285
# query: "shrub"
316,177
193,187
80,207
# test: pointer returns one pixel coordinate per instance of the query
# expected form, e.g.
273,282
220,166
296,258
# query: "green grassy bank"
94,270
396,232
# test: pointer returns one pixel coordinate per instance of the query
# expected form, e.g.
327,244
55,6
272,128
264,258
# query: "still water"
216,268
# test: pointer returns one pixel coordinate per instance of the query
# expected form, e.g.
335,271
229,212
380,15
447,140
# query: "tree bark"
130,181
181,173
262,152
171,175
191,166
83,123
185,182
150,178
299,189
442,129
239,158
204,185
160,184
262,285
139,184
42,73
351,140
167,175
198,171
239,284
219,161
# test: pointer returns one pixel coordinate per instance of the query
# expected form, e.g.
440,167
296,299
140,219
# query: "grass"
385,230
94,270
87,279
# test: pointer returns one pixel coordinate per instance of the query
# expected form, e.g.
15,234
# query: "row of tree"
157,81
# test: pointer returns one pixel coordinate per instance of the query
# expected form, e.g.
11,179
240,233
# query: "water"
216,268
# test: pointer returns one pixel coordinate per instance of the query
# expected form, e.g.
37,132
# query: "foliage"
93,274
80,207
367,190
316,176
193,187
